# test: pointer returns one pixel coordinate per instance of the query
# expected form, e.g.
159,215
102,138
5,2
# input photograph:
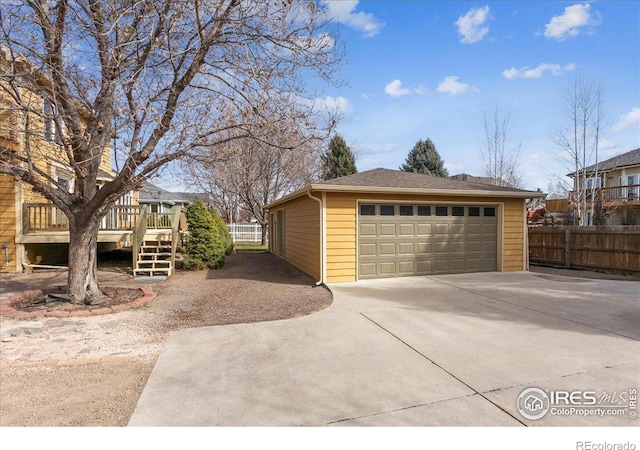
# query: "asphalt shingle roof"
631,158
152,194
410,180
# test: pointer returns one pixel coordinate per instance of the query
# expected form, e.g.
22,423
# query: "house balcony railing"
614,195
47,218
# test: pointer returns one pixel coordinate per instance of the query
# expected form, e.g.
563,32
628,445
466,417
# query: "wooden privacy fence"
614,249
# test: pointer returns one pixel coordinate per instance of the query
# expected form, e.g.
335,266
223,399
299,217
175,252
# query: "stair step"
154,255
159,264
151,272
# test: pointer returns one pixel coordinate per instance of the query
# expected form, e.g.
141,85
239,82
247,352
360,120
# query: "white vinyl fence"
245,232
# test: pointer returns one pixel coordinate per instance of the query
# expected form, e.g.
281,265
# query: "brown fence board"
613,249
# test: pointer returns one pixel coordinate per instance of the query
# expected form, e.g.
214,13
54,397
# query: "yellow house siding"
341,237
7,223
341,220
302,235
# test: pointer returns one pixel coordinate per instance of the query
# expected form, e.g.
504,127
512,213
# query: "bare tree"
580,141
158,78
249,174
499,154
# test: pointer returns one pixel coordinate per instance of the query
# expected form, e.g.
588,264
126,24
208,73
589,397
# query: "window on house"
49,122
406,210
367,210
457,211
387,210
489,212
424,210
474,211
442,210
594,183
632,182
64,184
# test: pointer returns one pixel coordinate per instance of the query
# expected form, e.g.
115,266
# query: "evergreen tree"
338,161
424,158
207,242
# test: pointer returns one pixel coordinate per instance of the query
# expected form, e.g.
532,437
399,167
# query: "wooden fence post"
567,248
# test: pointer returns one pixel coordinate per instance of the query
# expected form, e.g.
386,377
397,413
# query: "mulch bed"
52,302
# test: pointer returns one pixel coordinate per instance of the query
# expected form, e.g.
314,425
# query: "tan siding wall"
7,223
302,235
341,238
341,229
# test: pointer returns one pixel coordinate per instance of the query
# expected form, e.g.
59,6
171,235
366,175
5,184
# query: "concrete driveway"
448,350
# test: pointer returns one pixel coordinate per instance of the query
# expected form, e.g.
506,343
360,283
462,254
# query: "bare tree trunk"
82,283
263,230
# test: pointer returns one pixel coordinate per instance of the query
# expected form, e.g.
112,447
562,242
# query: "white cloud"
344,11
395,89
568,25
336,105
537,72
628,121
472,26
451,85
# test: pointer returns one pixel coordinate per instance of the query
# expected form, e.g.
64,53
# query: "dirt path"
90,371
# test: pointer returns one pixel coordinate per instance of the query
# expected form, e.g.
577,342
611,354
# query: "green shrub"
227,240
206,245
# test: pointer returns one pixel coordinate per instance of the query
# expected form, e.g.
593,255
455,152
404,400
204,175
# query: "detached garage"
388,223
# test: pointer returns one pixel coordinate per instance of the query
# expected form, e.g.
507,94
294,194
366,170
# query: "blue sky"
418,69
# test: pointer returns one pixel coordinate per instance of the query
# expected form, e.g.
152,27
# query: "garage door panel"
473,264
387,267
368,269
441,247
407,245
441,265
368,230
440,228
488,246
473,246
406,229
387,248
457,229
424,266
424,229
387,229
368,249
489,264
406,248
406,268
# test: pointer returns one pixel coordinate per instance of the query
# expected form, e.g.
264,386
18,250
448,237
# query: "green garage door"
397,240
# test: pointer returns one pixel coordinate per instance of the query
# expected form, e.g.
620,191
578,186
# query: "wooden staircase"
156,250
154,259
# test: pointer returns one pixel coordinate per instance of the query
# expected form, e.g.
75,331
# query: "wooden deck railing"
613,194
45,217
160,221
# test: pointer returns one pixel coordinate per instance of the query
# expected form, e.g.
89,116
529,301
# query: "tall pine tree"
424,158
338,160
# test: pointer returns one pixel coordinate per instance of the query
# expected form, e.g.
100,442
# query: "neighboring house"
481,180
32,229
388,223
158,200
617,185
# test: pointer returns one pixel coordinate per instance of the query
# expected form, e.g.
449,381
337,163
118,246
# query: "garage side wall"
341,220
301,234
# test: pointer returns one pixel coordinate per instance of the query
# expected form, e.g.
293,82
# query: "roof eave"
421,191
